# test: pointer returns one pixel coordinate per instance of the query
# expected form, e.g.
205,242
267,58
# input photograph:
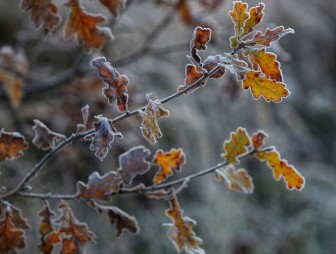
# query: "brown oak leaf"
85,116
210,63
193,74
258,139
12,145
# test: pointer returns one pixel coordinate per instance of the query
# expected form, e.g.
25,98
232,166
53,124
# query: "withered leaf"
236,66
169,161
258,139
114,6
150,116
99,187
256,15
103,137
210,63
180,232
43,13
13,87
84,26
12,145
46,227
85,116
132,163
116,89
44,138
201,37
193,74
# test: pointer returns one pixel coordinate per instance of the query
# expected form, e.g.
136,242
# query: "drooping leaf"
99,187
258,139
84,26
256,15
44,138
12,145
271,90
192,75
237,145
280,167
43,13
103,137
185,12
114,6
180,232
85,116
201,37
46,227
116,89
237,180
270,35
210,63
266,61
132,163
238,15
150,116
169,161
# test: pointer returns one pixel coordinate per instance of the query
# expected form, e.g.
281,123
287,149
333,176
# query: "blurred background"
151,41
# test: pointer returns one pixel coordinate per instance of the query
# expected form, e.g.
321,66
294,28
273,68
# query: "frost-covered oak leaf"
210,63
280,167
256,15
169,161
258,139
46,227
84,26
116,89
271,90
237,145
12,145
193,74
199,41
238,15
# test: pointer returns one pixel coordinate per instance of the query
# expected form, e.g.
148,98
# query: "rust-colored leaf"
258,139
270,35
99,187
280,167
271,90
256,15
192,75
12,145
116,89
150,116
169,161
85,116
44,138
114,6
103,137
84,26
210,63
201,38
236,146
180,232
46,227
238,15
237,180
132,163
266,61
43,13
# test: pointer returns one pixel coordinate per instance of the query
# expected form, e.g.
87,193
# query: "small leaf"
199,41
46,227
43,13
133,163
210,63
150,116
116,89
12,145
237,180
103,137
192,75
238,15
99,187
172,160
114,6
85,116
44,138
180,231
236,66
258,139
269,89
280,167
256,15
237,145
84,26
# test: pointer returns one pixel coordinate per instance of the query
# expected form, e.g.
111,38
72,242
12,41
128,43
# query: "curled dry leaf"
193,74
210,63
85,116
12,145
99,187
237,180
172,160
258,139
114,6
271,90
180,232
84,26
116,89
46,227
44,138
43,13
237,145
132,163
150,116
280,167
103,137
199,41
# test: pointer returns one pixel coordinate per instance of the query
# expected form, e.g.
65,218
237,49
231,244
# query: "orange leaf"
172,160
237,180
150,116
256,15
44,138
43,13
103,137
99,187
266,61
236,146
116,89
84,26
180,231
185,13
280,167
192,75
258,139
114,6
270,35
201,38
46,227
238,15
12,145
210,63
269,89
13,87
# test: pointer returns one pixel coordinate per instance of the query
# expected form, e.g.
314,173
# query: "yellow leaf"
256,15
269,89
238,15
